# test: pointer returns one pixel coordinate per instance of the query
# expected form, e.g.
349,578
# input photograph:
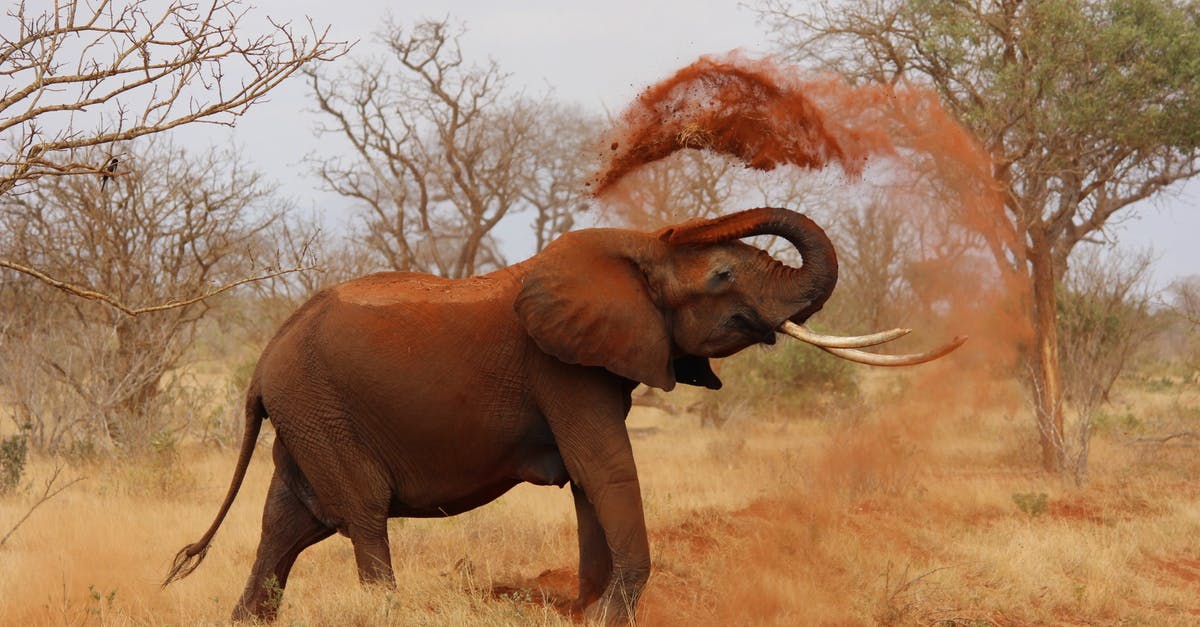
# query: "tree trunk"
140,389
1047,379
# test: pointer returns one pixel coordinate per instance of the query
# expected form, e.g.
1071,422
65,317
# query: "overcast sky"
599,55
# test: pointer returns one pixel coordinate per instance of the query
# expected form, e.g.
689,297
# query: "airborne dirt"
748,110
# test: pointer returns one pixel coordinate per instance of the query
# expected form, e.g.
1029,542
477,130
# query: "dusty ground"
926,513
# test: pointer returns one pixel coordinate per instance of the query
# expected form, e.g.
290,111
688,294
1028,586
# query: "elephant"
401,394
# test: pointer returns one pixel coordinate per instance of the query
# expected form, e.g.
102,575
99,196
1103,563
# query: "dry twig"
1191,435
49,492
83,292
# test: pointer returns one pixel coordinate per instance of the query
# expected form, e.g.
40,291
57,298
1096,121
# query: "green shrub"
14,452
1160,383
1124,422
786,378
1032,503
158,471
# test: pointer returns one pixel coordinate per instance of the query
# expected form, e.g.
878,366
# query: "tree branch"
48,493
112,301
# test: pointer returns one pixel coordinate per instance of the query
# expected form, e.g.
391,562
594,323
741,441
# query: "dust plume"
732,105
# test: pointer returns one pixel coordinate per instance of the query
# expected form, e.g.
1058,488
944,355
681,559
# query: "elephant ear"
583,304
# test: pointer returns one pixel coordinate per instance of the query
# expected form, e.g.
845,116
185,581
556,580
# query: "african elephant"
403,394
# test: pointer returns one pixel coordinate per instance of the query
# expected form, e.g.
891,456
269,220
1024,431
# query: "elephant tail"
187,559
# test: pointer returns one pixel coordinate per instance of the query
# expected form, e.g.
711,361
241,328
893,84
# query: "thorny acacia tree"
173,224
80,78
443,152
1085,107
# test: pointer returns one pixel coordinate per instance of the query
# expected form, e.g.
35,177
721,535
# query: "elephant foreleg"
619,510
591,436
595,559
288,528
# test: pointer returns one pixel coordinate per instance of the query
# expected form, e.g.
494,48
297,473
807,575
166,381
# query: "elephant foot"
243,614
260,604
588,594
618,604
579,605
609,614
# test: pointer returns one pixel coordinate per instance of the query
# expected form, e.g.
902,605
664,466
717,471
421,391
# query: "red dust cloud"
748,110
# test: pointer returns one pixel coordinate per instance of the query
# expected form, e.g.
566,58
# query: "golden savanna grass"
893,511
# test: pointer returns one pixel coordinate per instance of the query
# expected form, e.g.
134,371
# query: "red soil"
1186,570
1076,510
1180,572
764,114
1180,569
556,588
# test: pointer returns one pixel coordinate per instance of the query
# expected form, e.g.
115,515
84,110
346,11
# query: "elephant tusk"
873,359
805,334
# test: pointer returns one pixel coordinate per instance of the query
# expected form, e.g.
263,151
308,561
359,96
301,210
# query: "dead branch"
135,69
81,78
90,294
48,492
1190,435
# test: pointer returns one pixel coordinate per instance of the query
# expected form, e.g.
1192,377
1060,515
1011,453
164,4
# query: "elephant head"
653,307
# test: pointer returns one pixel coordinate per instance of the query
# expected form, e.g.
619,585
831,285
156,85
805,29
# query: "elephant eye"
720,278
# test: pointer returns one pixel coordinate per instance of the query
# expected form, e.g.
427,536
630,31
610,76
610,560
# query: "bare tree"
82,77
1104,318
442,152
1186,296
688,184
1185,305
173,224
876,249
563,155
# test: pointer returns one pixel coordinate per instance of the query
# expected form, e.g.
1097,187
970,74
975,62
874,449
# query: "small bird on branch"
110,167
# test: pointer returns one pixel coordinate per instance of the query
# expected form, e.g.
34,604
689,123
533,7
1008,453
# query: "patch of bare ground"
556,588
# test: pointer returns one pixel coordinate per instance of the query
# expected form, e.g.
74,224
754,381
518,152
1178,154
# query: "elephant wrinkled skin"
402,394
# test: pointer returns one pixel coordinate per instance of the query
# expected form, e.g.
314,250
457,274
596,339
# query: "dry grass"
900,514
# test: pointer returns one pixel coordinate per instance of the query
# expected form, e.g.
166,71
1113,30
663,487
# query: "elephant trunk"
798,292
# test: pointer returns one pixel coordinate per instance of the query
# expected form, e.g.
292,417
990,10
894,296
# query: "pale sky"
598,55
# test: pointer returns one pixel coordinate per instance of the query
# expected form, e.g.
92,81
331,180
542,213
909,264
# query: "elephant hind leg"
288,528
346,486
